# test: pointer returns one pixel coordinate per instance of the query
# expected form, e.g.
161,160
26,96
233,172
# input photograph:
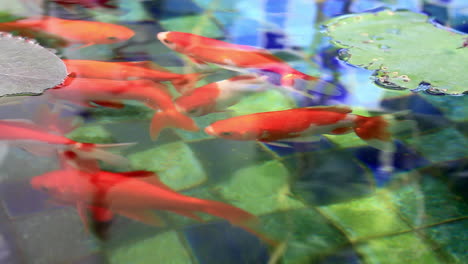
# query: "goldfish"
26,134
110,93
76,31
218,96
202,50
131,70
133,194
302,125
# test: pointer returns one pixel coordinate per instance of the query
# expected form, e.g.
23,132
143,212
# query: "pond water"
333,198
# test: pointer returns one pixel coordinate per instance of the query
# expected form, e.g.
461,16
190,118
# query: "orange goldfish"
133,194
21,133
131,70
76,31
218,96
203,50
302,125
109,93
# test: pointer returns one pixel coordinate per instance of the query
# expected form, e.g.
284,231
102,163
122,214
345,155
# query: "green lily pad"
27,68
406,50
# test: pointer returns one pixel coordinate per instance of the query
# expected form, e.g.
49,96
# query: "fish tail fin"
375,131
234,215
188,81
90,151
171,118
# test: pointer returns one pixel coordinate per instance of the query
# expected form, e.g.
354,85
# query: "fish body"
133,194
76,31
110,93
301,125
218,96
130,70
207,50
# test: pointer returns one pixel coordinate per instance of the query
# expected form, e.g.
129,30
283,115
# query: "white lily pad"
406,49
27,68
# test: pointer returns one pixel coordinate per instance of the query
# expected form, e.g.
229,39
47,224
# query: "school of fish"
98,194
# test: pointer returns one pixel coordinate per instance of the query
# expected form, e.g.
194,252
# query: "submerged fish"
302,125
27,135
203,50
131,70
76,31
218,96
133,194
110,93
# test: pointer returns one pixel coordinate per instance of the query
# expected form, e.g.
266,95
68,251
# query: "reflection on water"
157,148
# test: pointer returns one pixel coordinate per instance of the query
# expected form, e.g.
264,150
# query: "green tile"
91,134
196,24
453,107
453,239
428,202
405,248
163,248
260,189
371,216
444,145
307,234
174,162
271,100
132,111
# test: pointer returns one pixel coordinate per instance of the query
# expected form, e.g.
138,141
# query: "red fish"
86,3
303,124
110,93
133,194
218,96
203,50
131,70
23,134
76,31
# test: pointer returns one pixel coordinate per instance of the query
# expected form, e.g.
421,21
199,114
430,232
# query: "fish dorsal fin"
335,108
148,177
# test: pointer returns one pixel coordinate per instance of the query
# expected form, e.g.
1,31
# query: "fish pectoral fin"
145,216
196,61
188,214
342,109
83,46
278,144
83,213
112,104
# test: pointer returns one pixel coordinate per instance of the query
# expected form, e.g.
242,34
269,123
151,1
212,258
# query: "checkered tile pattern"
328,201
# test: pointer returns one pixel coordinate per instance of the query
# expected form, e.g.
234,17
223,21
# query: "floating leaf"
27,68
406,50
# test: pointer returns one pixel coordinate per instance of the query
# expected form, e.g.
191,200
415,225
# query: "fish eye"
226,134
193,111
112,38
167,42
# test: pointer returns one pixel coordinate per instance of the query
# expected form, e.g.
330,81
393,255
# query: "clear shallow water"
327,201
